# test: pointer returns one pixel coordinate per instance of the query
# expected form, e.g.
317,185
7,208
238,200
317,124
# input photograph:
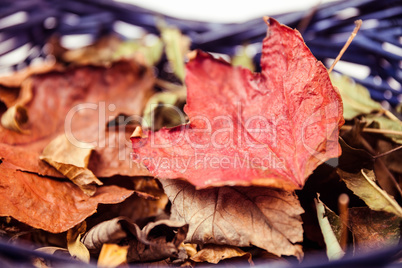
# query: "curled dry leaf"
156,241
48,204
334,250
75,247
374,230
14,118
238,216
41,263
216,253
363,184
72,161
109,232
268,129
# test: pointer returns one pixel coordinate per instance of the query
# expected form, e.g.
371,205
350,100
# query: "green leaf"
334,250
148,53
364,186
356,98
177,46
241,58
388,125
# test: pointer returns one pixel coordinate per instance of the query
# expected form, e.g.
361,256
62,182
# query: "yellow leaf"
74,245
112,255
72,161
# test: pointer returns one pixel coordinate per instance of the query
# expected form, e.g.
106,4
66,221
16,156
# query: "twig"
388,152
394,188
376,130
343,204
350,39
301,27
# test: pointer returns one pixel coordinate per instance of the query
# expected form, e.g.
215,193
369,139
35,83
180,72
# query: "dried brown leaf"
72,161
14,118
239,216
75,247
48,204
156,241
85,99
17,78
107,232
363,184
216,253
373,230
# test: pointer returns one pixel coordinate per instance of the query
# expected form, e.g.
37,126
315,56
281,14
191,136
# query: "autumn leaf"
215,253
238,216
374,230
75,247
156,241
72,161
49,204
334,250
85,100
176,47
356,98
363,184
269,129
112,255
389,125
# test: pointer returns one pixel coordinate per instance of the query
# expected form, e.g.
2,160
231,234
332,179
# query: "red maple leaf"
270,129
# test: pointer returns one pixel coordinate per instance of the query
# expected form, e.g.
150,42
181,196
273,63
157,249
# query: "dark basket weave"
325,34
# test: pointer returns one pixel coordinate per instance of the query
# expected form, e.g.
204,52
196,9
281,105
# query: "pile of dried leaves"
251,172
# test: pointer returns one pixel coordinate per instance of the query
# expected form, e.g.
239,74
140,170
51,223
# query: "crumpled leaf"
238,216
48,204
363,184
334,250
41,263
88,97
356,98
112,255
75,247
156,241
267,129
374,230
110,232
72,161
216,253
14,118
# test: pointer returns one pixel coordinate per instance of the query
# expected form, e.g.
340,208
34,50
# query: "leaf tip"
137,133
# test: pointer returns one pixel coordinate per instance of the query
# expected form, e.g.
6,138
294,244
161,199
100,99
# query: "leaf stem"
343,204
350,39
388,152
376,130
